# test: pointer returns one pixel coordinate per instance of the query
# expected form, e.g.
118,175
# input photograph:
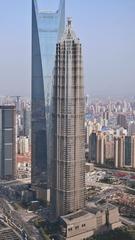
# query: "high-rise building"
133,152
47,29
23,145
7,142
122,121
119,151
26,121
97,141
93,147
131,128
109,152
101,139
116,148
68,134
102,148
128,150
124,151
106,117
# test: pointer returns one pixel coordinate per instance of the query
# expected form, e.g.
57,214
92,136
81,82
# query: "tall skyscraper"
101,139
102,148
116,149
128,150
133,151
7,142
93,147
128,147
68,145
26,121
119,151
47,29
98,160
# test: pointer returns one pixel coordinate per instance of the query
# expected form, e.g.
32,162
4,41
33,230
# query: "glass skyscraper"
47,29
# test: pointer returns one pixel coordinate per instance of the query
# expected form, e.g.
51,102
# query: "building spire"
69,33
69,24
69,20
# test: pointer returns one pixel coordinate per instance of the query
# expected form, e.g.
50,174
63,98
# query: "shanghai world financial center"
47,30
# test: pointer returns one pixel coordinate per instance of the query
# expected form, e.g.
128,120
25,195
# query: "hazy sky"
106,29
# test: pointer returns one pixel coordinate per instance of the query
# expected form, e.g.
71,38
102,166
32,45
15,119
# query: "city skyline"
108,45
67,157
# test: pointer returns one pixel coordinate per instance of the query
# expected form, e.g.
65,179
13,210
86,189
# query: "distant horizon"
106,31
90,96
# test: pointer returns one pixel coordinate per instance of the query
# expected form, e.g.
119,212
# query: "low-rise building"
89,167
89,221
77,226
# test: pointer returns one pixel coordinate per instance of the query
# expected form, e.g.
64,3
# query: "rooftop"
7,106
77,216
100,208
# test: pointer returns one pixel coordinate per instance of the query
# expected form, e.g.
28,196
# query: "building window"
83,225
